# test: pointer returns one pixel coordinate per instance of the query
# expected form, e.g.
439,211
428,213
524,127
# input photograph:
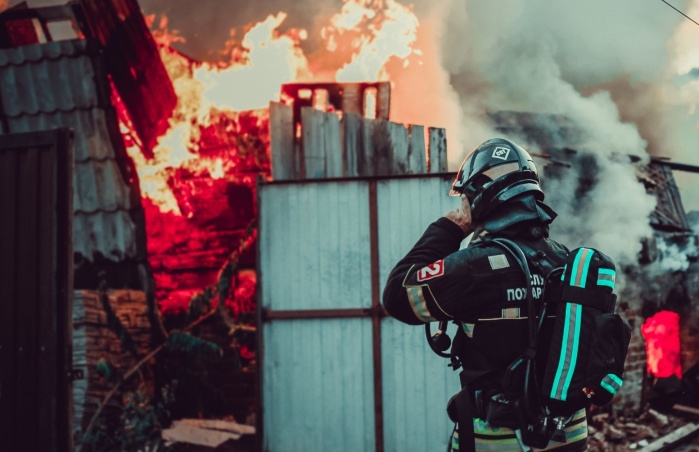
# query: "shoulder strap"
540,259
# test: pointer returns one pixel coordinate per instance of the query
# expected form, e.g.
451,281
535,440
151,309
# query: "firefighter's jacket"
473,286
482,289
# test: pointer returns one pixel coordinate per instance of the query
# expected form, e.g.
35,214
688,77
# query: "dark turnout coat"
482,288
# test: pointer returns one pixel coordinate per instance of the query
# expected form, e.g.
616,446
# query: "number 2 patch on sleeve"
433,270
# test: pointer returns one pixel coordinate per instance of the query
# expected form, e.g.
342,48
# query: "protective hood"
524,209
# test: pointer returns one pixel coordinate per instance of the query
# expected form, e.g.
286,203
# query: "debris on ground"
210,433
649,431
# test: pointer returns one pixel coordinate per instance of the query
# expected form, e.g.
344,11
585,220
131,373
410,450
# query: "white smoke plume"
605,66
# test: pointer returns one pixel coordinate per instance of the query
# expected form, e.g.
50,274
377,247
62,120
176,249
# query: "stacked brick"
93,339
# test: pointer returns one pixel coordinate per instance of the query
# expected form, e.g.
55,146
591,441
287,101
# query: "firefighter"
482,288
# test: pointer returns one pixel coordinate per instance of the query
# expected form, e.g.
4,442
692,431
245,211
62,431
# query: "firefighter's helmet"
493,173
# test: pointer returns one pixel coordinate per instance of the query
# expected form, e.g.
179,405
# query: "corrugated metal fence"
36,270
335,373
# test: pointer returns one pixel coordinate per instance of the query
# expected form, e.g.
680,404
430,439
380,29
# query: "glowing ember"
662,335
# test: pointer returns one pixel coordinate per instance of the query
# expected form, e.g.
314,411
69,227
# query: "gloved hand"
462,216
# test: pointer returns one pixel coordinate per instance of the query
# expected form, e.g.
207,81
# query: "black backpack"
586,348
580,359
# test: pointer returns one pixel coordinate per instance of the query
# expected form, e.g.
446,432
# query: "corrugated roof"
62,84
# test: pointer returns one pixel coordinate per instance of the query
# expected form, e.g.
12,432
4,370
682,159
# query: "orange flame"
388,32
366,35
269,62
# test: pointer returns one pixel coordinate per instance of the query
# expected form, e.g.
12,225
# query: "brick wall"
92,340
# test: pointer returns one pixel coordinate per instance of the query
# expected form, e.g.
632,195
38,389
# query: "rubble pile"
622,433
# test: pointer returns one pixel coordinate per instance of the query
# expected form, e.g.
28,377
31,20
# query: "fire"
662,335
269,61
364,35
388,32
198,187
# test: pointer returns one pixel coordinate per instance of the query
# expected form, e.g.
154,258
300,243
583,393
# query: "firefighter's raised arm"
422,275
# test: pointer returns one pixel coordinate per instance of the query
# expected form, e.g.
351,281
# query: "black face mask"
523,209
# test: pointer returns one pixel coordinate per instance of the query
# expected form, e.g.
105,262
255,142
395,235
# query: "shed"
65,84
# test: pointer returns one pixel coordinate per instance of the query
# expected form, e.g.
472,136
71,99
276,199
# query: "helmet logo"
501,153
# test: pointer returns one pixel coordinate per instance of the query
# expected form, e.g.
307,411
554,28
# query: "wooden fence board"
352,143
8,283
352,147
313,146
399,146
332,145
282,141
417,157
437,150
46,315
367,166
382,150
322,148
26,380
36,266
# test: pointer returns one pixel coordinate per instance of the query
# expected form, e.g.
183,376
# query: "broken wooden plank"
367,163
686,409
398,138
312,145
281,126
417,157
322,149
383,100
353,144
185,433
382,155
332,145
352,99
437,150
219,424
672,439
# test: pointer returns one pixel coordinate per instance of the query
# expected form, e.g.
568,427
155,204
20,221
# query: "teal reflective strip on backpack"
576,273
611,383
586,267
563,275
606,277
571,329
569,352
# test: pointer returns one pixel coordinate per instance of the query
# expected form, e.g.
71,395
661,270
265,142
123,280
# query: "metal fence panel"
416,382
315,253
318,390
317,375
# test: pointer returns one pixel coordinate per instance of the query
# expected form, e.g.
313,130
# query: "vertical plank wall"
36,283
317,391
317,374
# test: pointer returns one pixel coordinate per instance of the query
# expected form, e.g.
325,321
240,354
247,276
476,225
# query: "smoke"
607,68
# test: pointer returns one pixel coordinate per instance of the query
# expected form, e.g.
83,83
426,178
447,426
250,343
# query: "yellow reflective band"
418,304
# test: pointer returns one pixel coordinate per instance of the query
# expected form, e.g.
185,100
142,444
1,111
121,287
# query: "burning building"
169,152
